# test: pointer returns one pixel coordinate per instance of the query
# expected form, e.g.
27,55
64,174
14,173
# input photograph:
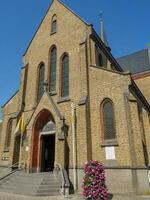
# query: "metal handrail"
17,163
5,173
11,166
58,166
65,184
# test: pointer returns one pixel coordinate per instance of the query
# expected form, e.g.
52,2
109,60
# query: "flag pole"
21,130
74,147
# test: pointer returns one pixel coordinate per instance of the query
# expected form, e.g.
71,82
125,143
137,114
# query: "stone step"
50,184
25,179
13,179
48,193
33,193
24,175
42,190
31,183
15,186
42,184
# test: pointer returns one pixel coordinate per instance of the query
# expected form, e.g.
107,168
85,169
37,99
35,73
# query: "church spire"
102,30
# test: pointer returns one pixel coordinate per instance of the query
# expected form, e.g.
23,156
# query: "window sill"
52,33
62,100
6,150
108,143
53,93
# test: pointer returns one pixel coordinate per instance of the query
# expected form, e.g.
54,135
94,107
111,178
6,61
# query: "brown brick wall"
84,81
143,84
10,110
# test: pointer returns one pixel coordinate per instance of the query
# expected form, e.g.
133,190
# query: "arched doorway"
43,143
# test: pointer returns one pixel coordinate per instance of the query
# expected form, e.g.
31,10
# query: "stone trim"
141,75
109,70
6,149
10,99
126,167
107,143
117,167
138,94
53,93
61,117
63,100
55,107
25,66
82,101
52,33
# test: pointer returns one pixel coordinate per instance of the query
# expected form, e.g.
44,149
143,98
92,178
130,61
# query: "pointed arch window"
108,120
65,76
53,64
8,135
54,24
98,56
41,78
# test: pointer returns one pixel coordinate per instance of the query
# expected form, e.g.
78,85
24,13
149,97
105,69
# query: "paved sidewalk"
126,197
8,196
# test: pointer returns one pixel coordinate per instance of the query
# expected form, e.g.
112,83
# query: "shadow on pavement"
110,196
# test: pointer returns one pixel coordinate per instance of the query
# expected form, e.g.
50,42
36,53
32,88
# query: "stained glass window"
108,120
41,81
49,127
65,77
53,63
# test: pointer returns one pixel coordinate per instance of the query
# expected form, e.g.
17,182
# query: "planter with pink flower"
94,187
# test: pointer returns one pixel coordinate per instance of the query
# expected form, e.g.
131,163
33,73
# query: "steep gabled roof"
46,15
136,62
73,13
10,99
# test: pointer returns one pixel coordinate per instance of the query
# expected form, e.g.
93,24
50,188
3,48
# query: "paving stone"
5,196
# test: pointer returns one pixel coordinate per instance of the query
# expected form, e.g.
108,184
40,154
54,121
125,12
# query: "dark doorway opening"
145,154
16,152
47,153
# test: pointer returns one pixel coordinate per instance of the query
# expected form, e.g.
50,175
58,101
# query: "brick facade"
143,81
89,85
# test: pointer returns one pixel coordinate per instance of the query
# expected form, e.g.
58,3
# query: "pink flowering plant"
94,187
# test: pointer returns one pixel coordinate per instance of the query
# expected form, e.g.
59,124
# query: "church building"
75,103
139,65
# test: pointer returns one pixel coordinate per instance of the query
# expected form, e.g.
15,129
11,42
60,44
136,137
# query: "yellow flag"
21,125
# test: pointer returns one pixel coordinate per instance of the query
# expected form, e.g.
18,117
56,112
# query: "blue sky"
126,24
